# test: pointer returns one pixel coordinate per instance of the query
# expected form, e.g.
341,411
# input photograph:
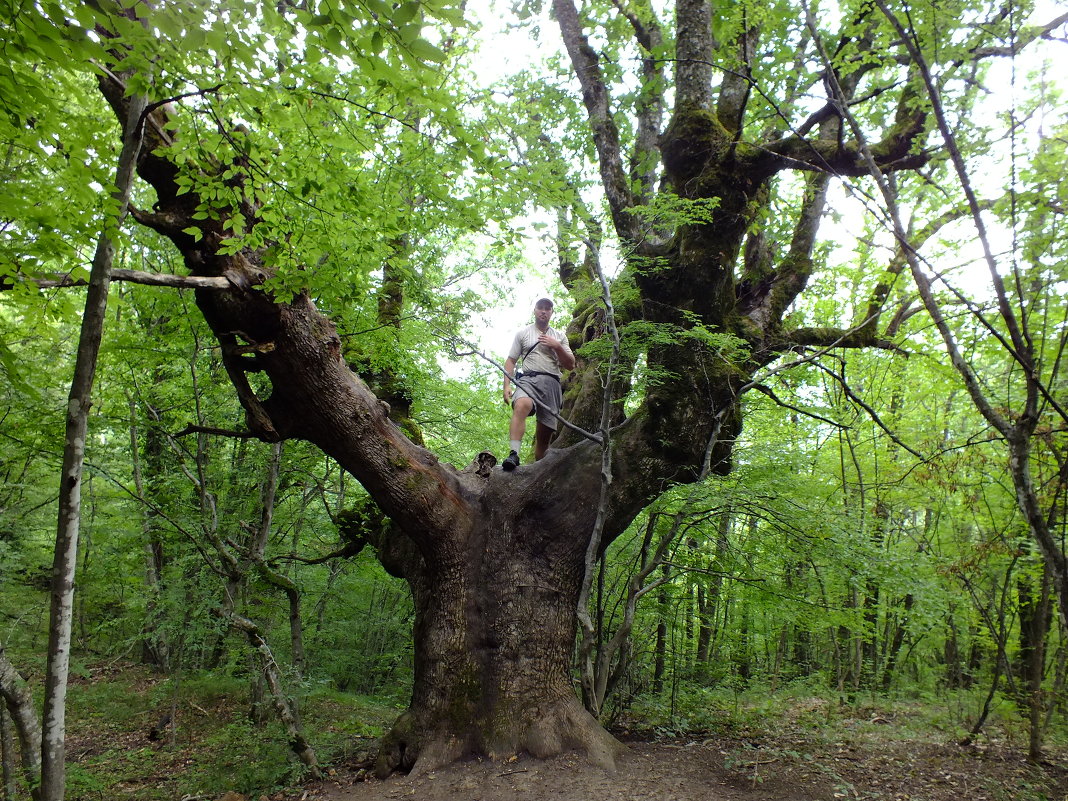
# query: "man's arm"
567,358
509,371
563,352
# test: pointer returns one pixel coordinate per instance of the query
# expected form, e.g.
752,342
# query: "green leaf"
406,13
379,8
194,39
425,51
83,13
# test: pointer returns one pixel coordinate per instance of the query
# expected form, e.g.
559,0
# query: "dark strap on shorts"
536,372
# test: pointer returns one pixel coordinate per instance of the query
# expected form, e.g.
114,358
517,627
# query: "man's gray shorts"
544,390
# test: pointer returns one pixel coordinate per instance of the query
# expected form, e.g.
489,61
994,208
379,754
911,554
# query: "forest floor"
864,759
724,770
776,749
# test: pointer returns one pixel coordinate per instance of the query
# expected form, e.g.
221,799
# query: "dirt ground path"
648,772
725,770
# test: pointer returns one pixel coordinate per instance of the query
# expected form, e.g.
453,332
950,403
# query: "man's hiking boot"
511,463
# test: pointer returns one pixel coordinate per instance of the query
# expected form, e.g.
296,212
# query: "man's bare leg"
542,435
521,409
520,412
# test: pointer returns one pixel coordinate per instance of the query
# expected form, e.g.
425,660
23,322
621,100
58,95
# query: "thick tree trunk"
495,560
495,631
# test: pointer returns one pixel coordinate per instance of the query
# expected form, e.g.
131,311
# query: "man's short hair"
542,303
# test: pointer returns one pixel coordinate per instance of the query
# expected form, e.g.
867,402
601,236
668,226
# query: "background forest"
871,549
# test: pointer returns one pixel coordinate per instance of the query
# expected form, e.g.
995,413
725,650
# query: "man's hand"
508,393
549,342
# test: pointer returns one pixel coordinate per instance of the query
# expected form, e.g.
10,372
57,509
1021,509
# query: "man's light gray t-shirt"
542,359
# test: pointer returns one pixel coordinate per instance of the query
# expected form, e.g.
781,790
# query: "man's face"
542,315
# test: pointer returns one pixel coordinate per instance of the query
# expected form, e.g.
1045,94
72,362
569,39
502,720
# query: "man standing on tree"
544,353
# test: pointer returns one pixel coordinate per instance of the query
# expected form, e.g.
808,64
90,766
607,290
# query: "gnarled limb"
765,295
286,711
314,394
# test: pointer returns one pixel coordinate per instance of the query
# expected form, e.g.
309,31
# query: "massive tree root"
417,747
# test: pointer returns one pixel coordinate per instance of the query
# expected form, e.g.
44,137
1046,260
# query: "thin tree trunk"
7,754
154,647
975,657
53,751
1036,667
704,626
717,604
257,551
869,640
987,703
742,661
896,643
1059,679
660,658
708,598
19,703
616,649
296,626
258,710
296,632
951,655
335,568
286,711
999,633
782,646
589,637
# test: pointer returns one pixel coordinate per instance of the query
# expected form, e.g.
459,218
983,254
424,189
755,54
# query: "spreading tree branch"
855,398
596,98
649,107
131,276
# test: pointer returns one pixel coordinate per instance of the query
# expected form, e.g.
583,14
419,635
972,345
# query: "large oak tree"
714,156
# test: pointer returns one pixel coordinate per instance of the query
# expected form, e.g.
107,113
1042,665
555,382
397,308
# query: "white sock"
516,444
